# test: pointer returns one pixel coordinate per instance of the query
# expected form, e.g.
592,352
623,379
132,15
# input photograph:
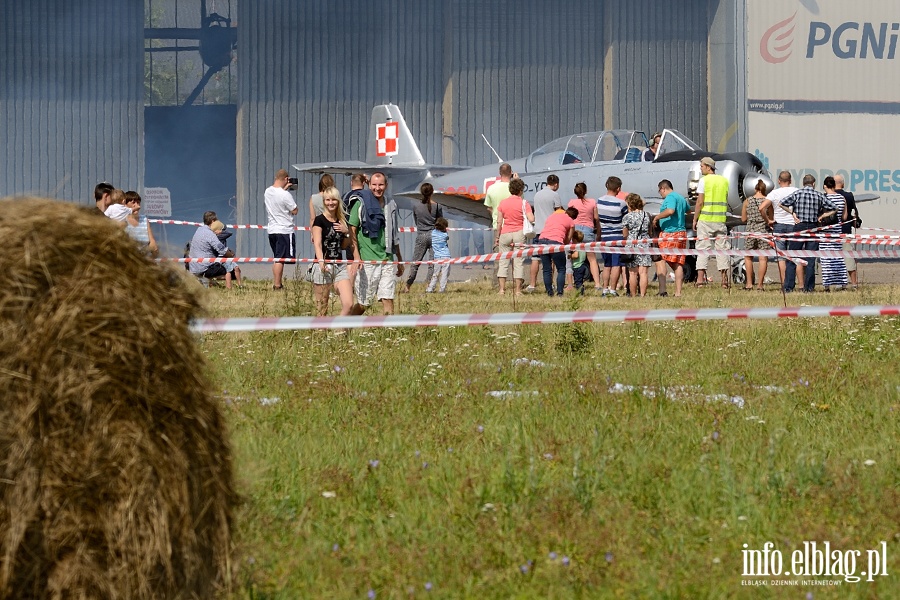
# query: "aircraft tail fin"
390,141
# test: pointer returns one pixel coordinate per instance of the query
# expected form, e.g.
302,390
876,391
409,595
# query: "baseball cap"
709,162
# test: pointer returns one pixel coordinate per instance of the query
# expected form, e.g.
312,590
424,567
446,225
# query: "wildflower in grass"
335,548
565,561
371,594
715,436
374,463
424,465
417,453
290,382
338,368
251,560
450,450
548,456
609,557
480,429
809,596
552,555
804,382
524,569
869,462
428,586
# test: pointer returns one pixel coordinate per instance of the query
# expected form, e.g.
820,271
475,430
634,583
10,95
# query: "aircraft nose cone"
750,181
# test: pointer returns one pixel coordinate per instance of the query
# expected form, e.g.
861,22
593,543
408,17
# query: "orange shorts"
673,240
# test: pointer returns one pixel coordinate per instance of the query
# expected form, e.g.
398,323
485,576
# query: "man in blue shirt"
673,234
206,244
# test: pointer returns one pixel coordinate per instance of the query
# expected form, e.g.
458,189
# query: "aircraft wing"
335,168
456,206
349,167
865,197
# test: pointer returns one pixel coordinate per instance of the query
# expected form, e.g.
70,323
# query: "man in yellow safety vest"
709,220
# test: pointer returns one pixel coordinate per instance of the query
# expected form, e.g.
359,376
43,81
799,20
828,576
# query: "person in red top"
557,230
511,214
588,223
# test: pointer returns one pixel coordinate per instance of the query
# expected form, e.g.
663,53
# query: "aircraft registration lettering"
386,139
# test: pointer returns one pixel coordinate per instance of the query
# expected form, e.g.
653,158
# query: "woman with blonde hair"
316,201
636,229
331,235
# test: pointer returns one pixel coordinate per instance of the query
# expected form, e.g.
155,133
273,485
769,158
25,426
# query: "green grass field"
434,462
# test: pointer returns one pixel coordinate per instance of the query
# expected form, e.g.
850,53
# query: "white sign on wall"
157,202
823,96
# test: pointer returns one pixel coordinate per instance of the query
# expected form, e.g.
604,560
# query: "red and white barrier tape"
543,318
297,227
853,238
616,247
879,229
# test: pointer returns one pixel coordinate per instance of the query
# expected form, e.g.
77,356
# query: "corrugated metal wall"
522,74
71,96
510,75
658,57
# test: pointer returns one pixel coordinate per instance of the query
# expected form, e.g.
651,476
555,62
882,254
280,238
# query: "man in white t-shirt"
280,209
784,220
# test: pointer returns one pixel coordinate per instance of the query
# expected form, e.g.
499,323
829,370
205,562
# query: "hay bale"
115,474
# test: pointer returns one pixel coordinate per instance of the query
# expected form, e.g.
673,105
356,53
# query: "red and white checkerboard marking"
386,137
488,182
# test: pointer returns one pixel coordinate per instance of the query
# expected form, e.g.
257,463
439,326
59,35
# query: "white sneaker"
529,289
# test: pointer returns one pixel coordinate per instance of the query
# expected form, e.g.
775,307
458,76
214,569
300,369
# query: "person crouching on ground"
232,271
331,235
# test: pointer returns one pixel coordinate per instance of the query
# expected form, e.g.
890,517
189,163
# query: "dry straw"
115,473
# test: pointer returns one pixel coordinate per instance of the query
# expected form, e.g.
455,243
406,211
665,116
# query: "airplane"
393,151
590,157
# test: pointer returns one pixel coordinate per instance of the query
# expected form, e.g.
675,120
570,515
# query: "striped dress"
834,270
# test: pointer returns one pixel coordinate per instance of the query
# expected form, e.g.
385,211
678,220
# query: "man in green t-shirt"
376,280
498,192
